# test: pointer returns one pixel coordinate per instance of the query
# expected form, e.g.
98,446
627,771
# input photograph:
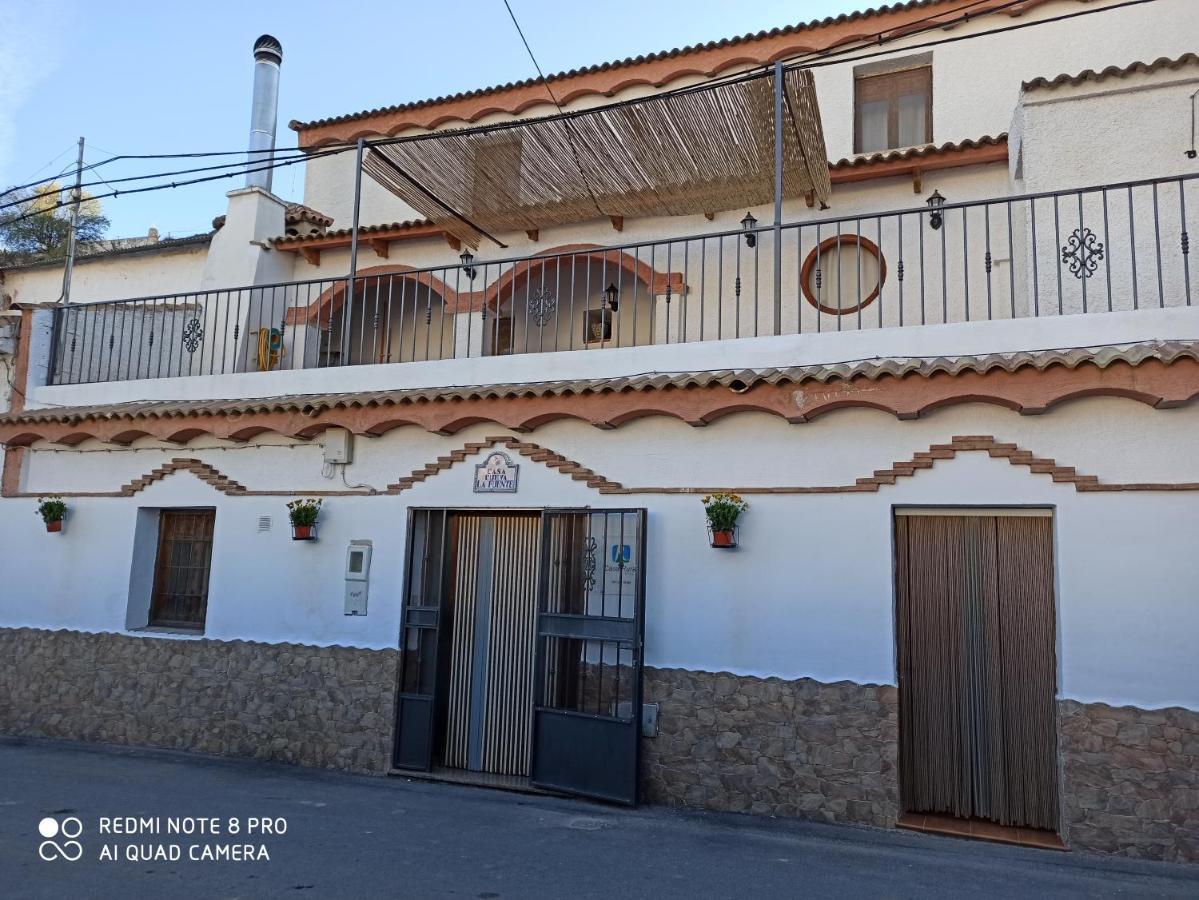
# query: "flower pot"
303,532
54,527
724,539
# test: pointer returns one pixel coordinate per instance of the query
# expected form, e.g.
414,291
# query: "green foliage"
34,228
51,509
723,510
304,512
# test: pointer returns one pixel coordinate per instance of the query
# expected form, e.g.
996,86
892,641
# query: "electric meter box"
339,445
358,569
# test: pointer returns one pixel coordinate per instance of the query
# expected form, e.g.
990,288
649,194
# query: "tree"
33,227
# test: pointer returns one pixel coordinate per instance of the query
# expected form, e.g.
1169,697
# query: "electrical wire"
124,156
176,184
570,133
238,166
818,59
822,58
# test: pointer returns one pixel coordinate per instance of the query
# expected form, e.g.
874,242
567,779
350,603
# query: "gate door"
416,714
590,634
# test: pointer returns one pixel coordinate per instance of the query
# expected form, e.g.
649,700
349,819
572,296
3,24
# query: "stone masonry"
767,746
1131,779
773,747
329,707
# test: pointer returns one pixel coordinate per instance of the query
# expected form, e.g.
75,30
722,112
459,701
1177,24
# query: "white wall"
976,84
829,348
809,593
119,277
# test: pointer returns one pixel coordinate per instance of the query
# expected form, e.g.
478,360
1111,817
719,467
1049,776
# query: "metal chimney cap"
268,49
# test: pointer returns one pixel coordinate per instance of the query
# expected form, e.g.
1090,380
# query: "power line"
570,135
128,156
818,59
176,184
238,166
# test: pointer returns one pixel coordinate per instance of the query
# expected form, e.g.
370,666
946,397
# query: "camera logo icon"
60,840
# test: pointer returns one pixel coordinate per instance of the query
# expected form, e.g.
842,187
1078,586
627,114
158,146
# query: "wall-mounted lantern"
935,218
747,225
611,297
467,269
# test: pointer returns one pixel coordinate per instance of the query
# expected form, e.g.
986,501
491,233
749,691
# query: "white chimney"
268,55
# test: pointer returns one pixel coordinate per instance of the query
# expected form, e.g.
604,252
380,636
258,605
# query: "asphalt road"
350,836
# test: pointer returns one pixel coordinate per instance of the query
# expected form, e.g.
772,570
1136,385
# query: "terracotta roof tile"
1136,68
887,156
854,162
622,63
345,232
295,212
735,379
166,245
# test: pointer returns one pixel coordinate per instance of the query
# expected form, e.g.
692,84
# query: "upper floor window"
892,108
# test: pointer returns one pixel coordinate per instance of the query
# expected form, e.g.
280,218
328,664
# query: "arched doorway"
394,315
576,297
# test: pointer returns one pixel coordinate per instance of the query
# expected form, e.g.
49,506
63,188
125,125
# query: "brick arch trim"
332,298
921,459
658,281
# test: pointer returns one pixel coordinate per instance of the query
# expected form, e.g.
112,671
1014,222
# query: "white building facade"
962,597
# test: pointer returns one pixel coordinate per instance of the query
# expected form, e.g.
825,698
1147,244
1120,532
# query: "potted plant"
723,510
52,510
303,514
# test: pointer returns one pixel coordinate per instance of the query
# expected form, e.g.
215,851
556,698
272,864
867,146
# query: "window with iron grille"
181,568
893,109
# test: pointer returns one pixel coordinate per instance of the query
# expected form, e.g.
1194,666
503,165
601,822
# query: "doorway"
522,648
975,640
492,601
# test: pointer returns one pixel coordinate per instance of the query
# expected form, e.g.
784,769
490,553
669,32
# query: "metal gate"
421,639
590,636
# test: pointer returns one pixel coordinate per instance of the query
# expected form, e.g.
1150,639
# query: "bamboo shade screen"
977,668
508,735
465,560
506,700
675,154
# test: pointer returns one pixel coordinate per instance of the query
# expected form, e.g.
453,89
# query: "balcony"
1111,248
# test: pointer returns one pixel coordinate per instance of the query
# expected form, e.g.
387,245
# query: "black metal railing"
1107,248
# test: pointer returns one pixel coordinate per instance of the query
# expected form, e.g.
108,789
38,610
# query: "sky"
133,76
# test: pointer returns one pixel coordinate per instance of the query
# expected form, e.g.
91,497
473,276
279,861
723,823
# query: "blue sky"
147,76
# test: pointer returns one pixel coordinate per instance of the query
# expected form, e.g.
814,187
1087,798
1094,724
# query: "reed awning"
698,150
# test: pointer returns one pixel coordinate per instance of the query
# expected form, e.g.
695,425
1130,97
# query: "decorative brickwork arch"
571,254
331,300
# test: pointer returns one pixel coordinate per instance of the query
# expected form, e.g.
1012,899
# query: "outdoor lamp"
467,258
747,224
611,293
935,202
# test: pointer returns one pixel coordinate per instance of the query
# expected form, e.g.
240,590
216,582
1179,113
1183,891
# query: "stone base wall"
1130,780
1130,777
773,747
329,707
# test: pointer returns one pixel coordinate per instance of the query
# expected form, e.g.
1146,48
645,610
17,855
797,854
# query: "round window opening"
843,274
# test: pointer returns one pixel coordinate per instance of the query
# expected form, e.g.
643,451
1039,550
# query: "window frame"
895,75
158,584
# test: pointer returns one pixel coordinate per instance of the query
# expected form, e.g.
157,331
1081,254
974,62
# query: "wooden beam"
917,181
709,216
810,199
454,243
381,246
617,222
312,254
533,234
